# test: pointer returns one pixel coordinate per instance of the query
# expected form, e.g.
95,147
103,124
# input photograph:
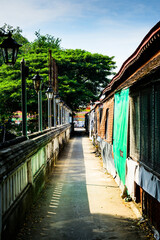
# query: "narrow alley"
80,201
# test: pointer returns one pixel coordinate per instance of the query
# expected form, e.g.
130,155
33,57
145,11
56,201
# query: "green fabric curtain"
120,131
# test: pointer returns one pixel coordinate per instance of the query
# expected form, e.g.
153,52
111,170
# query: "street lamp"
57,99
67,114
24,74
49,94
64,113
37,81
9,49
61,105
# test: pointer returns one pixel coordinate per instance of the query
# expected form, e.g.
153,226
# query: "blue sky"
111,27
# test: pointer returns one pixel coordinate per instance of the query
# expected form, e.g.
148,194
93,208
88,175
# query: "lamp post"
55,110
24,74
61,105
49,94
57,99
67,114
64,119
37,81
10,49
64,113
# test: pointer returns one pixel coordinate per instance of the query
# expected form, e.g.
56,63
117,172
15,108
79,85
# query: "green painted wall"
120,132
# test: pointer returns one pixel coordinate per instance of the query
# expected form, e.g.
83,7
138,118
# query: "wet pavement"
80,201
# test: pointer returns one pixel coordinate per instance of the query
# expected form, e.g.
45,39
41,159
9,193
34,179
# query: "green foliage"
81,75
44,43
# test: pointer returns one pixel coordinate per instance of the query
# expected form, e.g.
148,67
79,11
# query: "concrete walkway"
80,201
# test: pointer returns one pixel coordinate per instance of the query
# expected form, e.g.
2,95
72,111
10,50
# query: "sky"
109,27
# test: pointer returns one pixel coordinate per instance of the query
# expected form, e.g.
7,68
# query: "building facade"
128,126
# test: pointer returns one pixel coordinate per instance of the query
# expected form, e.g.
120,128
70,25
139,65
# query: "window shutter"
147,126
157,129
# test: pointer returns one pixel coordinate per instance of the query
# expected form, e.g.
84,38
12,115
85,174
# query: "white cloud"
94,25
29,13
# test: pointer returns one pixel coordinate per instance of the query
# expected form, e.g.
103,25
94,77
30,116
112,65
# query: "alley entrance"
80,201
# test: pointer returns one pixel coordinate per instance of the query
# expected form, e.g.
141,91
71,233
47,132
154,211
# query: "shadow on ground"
62,211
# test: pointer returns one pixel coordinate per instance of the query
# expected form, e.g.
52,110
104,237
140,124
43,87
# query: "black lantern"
37,81
9,49
49,92
61,103
57,98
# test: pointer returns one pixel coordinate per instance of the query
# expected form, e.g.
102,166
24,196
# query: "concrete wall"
24,167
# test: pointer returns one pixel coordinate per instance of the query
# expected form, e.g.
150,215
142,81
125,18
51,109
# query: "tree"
81,74
45,42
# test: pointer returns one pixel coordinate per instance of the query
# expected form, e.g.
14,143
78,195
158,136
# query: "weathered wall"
98,120
109,104
24,169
